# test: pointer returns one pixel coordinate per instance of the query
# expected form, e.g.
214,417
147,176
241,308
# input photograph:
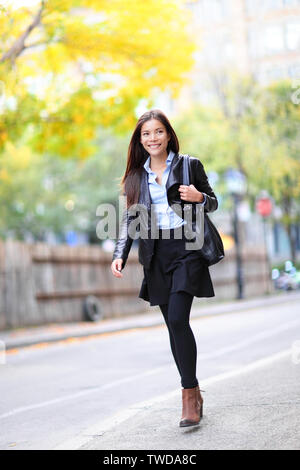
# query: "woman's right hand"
116,267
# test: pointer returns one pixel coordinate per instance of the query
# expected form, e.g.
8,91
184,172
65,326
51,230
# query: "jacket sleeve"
202,184
124,242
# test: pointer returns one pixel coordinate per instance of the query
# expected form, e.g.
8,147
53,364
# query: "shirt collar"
147,162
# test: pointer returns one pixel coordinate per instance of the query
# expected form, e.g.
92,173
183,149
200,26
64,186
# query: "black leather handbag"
213,250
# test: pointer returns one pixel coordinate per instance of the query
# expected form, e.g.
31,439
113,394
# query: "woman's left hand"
190,193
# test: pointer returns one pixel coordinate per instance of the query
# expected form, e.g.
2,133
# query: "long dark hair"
137,155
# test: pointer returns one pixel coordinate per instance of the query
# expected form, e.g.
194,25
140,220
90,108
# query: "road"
63,395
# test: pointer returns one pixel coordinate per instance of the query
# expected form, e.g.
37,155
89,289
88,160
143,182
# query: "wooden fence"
41,284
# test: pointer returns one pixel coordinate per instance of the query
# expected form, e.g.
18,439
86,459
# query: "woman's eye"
145,134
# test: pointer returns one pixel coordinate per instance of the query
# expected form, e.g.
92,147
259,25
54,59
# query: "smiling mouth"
154,146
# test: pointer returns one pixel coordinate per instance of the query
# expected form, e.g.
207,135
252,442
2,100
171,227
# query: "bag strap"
186,177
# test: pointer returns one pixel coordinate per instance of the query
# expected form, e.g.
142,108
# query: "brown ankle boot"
191,407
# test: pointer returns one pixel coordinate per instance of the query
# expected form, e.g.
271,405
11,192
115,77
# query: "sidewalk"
22,337
256,407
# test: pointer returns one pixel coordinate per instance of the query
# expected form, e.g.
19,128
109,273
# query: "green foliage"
50,194
255,130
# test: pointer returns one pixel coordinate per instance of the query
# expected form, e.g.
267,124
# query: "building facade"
251,37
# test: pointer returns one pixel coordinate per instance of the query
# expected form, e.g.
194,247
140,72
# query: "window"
291,3
253,43
273,4
254,7
294,70
274,39
275,73
292,36
214,10
271,40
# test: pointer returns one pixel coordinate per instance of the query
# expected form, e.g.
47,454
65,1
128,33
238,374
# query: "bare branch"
36,44
19,45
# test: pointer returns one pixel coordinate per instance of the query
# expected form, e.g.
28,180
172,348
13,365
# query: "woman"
173,274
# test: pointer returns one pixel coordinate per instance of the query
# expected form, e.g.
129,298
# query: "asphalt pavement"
256,407
101,395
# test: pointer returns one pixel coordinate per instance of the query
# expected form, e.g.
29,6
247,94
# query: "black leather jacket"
146,246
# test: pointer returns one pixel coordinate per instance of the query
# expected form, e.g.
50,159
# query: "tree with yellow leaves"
67,66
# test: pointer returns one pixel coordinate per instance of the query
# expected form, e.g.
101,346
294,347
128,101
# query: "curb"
145,320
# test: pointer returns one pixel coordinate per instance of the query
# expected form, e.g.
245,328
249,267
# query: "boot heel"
201,411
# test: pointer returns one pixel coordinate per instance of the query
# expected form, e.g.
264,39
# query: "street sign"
264,206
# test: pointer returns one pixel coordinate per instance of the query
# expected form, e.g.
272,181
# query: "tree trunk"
290,229
293,242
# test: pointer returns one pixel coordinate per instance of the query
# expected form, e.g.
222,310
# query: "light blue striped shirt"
166,217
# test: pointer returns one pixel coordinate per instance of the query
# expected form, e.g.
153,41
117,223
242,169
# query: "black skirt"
173,268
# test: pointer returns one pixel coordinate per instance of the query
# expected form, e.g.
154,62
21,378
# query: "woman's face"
154,138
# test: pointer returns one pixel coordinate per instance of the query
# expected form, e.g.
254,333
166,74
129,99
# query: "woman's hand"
116,267
190,193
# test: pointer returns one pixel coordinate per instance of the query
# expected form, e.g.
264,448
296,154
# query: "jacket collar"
175,172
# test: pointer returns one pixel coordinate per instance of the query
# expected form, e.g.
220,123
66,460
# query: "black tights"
183,345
